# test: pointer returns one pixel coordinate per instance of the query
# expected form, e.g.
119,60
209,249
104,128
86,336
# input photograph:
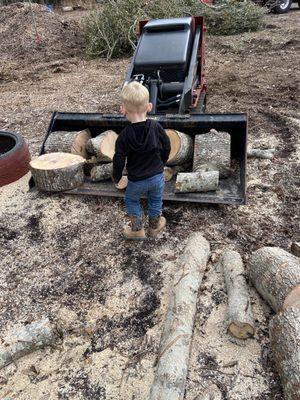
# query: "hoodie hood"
142,136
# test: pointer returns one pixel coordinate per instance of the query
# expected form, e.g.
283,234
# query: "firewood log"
274,272
173,357
285,345
276,275
240,318
101,172
169,172
68,142
181,147
103,146
212,152
295,249
197,181
24,340
57,172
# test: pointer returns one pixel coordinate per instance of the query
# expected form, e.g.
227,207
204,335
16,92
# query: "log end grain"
241,330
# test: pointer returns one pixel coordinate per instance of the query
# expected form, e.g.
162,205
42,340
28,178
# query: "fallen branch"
26,340
173,358
267,154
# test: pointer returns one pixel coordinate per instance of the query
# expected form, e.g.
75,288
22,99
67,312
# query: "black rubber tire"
14,157
282,9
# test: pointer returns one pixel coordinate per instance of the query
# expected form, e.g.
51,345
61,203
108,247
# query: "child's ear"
149,108
122,109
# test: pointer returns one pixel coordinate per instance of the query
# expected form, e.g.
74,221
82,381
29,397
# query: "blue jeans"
153,188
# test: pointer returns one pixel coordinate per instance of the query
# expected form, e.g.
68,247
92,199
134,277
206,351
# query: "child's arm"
165,144
119,158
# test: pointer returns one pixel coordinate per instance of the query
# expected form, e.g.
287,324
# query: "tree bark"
173,358
57,172
68,142
275,273
212,153
197,181
285,344
103,146
26,340
101,172
240,318
181,147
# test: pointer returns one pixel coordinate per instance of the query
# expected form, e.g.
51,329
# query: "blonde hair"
135,97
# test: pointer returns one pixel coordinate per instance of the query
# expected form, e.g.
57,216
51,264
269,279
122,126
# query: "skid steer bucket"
232,190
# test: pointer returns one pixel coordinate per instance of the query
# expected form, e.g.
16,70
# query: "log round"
240,319
101,172
285,344
212,153
68,142
202,181
168,173
274,273
103,146
181,147
173,358
56,172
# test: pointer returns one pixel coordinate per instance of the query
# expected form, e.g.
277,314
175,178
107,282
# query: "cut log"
212,153
68,142
181,147
101,172
173,358
240,318
169,172
285,345
57,172
122,184
103,146
197,181
267,154
274,273
25,340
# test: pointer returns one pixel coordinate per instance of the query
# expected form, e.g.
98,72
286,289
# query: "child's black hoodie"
146,147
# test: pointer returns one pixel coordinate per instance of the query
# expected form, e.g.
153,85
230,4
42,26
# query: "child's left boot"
135,230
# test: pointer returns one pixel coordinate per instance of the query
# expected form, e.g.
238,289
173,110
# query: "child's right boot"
156,225
135,230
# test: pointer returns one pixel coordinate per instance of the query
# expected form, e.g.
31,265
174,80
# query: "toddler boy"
146,147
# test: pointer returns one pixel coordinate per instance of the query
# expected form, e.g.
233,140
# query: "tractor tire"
14,157
281,6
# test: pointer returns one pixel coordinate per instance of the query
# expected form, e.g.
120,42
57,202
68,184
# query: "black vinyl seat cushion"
165,45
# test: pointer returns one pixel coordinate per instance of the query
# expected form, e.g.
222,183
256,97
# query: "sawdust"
63,257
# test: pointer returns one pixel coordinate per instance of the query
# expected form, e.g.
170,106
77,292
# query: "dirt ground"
62,257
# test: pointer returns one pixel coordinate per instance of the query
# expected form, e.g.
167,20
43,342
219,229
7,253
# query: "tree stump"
274,273
197,181
56,172
68,142
240,318
101,172
181,147
103,146
285,344
173,358
212,153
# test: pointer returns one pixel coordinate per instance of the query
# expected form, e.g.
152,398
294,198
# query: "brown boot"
136,230
156,225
